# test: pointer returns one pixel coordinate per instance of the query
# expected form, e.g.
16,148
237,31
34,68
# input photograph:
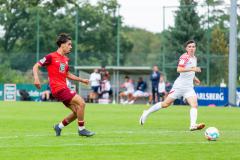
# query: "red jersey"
57,67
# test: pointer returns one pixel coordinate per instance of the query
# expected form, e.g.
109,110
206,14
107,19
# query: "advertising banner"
215,96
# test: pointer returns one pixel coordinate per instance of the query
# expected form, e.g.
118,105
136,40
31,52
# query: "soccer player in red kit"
58,71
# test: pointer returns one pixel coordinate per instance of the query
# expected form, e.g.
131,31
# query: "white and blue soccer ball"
212,134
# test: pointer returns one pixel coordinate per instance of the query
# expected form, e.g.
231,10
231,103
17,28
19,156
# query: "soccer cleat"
143,117
86,133
197,127
57,130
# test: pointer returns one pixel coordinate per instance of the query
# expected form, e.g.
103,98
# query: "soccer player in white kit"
182,87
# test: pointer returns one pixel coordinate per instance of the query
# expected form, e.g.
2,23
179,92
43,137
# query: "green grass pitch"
26,133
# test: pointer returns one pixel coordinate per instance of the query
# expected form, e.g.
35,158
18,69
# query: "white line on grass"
9,137
112,132
119,144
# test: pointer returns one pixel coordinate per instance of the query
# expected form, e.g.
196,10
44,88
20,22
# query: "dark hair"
62,38
189,42
126,77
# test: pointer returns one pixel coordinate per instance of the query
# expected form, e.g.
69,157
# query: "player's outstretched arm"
35,75
182,69
76,78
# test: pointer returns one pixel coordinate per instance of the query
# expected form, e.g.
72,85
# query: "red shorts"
64,95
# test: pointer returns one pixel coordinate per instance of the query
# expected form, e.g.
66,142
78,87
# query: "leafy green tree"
96,37
187,26
219,63
98,27
146,47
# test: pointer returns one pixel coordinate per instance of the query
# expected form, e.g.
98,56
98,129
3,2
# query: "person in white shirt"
128,84
182,87
95,79
161,88
105,88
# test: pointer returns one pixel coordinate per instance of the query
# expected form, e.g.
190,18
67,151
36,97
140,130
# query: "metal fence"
25,52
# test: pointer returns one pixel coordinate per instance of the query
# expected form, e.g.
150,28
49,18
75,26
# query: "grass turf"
26,133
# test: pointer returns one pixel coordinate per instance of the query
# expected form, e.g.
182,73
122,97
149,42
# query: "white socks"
81,128
60,125
193,116
154,108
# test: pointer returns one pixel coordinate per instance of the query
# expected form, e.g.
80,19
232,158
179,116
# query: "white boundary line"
120,144
113,132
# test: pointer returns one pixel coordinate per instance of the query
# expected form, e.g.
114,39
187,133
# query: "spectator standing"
154,77
95,79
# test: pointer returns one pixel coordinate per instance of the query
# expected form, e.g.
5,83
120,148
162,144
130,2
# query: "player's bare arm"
76,78
196,80
183,69
35,75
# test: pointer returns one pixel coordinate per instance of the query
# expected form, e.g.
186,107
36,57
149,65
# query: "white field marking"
9,137
112,132
119,144
98,133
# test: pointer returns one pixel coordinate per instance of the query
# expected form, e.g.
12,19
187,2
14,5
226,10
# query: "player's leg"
67,120
173,94
166,103
191,98
79,107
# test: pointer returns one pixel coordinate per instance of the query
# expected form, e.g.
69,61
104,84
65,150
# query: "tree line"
32,26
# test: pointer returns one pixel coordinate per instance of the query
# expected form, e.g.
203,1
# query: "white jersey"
129,86
105,85
95,79
185,79
161,87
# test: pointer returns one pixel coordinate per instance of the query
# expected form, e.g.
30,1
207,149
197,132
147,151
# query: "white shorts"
140,94
182,92
128,92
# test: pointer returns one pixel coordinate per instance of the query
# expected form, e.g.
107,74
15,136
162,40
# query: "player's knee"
80,106
194,105
165,104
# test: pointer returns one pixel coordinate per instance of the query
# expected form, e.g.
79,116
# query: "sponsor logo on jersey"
62,67
181,62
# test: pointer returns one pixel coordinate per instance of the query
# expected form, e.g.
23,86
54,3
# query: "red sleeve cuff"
181,65
40,63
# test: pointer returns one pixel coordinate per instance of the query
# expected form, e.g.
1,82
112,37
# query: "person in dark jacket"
154,77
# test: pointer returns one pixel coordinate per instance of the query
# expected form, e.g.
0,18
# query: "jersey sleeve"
45,60
182,61
67,70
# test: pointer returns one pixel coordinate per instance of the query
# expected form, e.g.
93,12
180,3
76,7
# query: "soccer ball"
212,133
